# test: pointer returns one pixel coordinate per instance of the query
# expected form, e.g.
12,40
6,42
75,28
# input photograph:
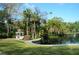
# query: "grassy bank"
16,47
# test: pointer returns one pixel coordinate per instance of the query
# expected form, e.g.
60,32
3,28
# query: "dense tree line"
33,22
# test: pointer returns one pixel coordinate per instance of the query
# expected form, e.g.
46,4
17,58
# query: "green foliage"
32,22
6,13
56,25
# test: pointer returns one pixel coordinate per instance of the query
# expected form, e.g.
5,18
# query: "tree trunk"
27,27
34,30
7,30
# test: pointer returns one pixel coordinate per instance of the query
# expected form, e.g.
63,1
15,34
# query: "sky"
69,12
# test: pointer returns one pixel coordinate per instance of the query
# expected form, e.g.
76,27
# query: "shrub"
3,35
44,39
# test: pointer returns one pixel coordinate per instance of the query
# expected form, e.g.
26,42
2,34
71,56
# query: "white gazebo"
19,35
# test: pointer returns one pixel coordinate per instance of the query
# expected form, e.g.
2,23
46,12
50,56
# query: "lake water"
71,41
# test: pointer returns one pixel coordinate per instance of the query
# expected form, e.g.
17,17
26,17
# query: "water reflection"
72,40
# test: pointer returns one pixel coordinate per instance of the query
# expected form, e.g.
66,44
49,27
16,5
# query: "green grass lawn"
19,47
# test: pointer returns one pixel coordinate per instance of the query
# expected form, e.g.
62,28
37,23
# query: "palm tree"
34,22
54,25
27,16
36,18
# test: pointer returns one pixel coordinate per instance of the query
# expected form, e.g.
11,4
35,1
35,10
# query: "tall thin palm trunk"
27,28
34,30
32,33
